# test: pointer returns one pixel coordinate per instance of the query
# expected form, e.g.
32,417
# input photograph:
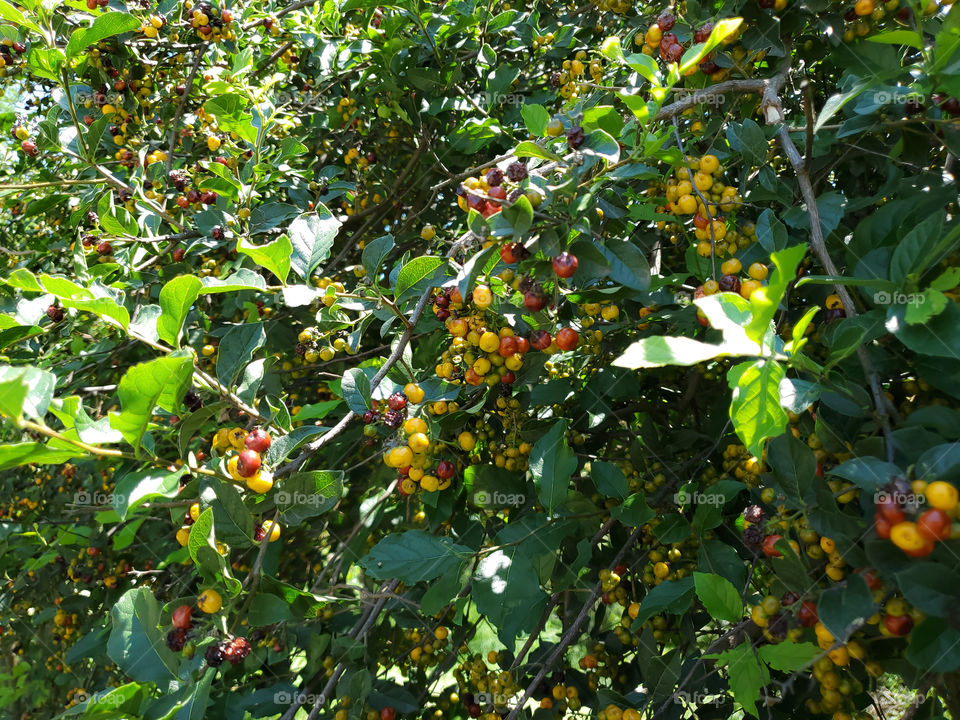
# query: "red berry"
248,463
494,177
104,248
540,340
565,264
29,147
208,198
808,614
666,21
898,625
934,524
508,346
397,401
890,510
55,313
534,300
882,526
703,33
445,469
258,440
181,617
388,713
700,222
567,338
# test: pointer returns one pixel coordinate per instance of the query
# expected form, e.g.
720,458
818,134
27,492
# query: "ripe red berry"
934,524
182,616
567,339
445,469
768,546
808,614
508,346
534,300
565,264
494,177
898,625
258,440
208,198
729,283
248,463
540,340
703,33
890,509
397,401
666,21
29,147
178,254
104,248
388,713
55,313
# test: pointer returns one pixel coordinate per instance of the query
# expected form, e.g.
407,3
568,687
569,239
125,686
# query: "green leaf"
600,143
311,236
106,25
921,247
660,350
634,511
645,65
747,675
308,494
671,596
230,516
25,391
12,14
898,37
472,269
793,468
416,271
356,390
242,279
414,556
531,149
135,488
535,117
202,543
628,265
609,479
374,253
934,647
519,215
136,643
718,596
17,454
157,383
842,606
765,300
552,462
267,610
274,256
930,587
788,656
237,348
74,296
771,233
176,298
755,407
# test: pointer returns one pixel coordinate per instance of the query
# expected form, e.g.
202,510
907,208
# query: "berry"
370,417
55,313
176,639
565,264
29,147
516,171
494,177
388,713
934,524
567,339
236,650
729,283
397,401
257,440
575,137
445,469
899,625
540,340
666,21
248,464
104,247
214,656
209,601
534,300
182,617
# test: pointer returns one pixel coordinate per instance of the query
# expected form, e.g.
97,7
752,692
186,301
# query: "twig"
181,105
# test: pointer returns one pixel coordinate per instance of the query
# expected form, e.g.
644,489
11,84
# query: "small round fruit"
467,441
540,340
898,625
731,267
567,339
209,601
414,393
181,617
399,457
258,440
248,463
195,511
565,265
907,537
445,469
758,271
271,530
260,483
429,483
934,524
428,233
554,127
941,495
482,296
388,713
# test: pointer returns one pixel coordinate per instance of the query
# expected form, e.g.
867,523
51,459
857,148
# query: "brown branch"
181,105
